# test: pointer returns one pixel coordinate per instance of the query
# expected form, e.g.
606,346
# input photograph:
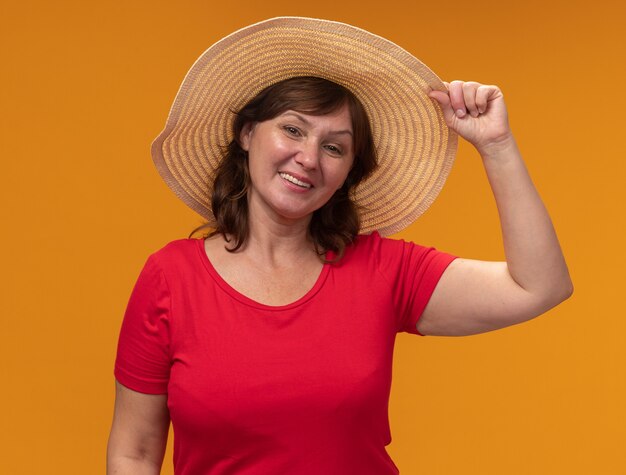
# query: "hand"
477,113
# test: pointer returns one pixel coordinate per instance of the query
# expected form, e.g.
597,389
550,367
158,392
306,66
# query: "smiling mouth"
294,180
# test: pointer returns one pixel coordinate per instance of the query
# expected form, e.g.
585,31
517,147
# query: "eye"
334,149
291,130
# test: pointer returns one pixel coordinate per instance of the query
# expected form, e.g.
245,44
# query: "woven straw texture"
415,147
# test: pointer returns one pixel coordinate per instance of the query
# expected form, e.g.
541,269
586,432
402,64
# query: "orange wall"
86,86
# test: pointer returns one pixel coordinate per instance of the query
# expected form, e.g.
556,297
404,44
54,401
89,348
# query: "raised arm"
478,296
139,433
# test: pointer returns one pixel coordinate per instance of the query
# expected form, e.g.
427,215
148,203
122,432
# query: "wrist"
496,149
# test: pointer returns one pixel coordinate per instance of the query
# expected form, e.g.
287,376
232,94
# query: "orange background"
86,86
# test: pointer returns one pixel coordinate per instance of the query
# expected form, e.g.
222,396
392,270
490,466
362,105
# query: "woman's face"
297,162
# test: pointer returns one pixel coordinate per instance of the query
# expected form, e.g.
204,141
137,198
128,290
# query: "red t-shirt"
296,389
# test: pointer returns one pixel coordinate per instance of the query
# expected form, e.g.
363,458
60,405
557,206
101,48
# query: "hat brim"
415,147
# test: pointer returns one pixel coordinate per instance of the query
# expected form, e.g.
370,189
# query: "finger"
469,95
483,93
443,99
456,98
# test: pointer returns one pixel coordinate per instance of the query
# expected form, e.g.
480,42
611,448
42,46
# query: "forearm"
533,254
121,465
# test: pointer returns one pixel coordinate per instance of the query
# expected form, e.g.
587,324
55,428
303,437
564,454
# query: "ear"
246,135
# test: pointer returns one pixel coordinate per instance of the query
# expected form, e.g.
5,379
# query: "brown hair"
336,223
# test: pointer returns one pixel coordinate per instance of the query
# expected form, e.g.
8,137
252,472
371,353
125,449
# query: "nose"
309,155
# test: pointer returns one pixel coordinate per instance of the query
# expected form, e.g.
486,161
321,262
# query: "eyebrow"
307,122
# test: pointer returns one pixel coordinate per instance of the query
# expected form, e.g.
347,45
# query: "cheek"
339,175
271,149
347,167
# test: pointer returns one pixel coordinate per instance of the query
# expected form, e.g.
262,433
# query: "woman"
269,344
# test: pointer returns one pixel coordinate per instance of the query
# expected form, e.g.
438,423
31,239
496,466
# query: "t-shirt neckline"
235,294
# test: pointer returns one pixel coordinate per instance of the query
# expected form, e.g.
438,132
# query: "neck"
278,243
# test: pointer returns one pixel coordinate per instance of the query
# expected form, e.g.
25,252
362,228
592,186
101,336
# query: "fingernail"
460,113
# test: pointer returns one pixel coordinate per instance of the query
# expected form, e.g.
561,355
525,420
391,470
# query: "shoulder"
176,255
375,246
390,256
375,252
366,244
364,248
175,250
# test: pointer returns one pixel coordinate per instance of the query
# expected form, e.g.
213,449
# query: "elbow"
566,289
559,294
551,296
562,286
569,290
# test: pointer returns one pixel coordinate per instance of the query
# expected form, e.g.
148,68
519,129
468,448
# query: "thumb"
443,99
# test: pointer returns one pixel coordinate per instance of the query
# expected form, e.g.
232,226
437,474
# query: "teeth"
295,181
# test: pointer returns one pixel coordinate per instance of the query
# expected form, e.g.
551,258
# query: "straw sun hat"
415,147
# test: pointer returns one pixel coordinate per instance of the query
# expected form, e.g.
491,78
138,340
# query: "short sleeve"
143,352
413,272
